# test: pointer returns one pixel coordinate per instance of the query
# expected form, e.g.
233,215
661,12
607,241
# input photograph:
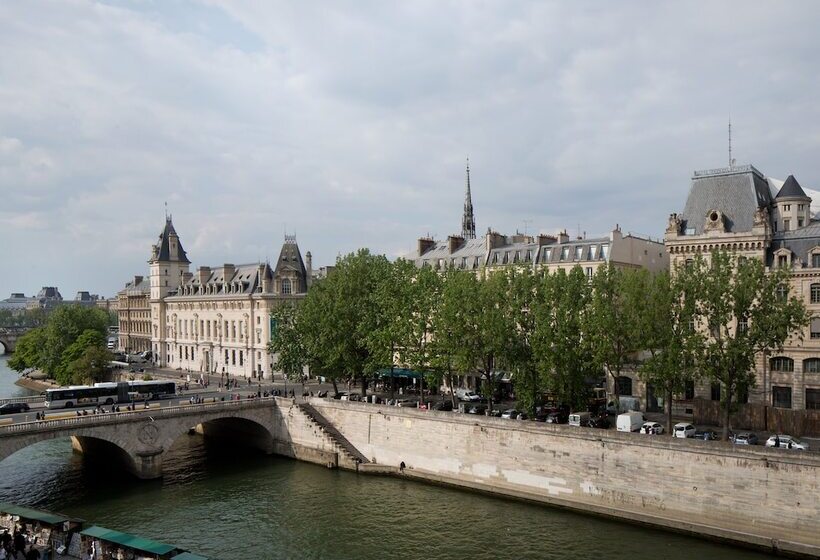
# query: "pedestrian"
402,466
776,440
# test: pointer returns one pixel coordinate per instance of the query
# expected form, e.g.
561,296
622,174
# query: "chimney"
227,272
185,277
137,280
204,272
544,239
454,243
264,279
425,244
563,237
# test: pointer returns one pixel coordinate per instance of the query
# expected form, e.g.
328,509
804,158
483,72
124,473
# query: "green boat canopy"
131,541
399,372
34,514
188,556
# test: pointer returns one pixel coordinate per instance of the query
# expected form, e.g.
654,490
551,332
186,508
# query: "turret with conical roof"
792,206
168,262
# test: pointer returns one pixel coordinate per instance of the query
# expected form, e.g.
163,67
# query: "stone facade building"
738,209
134,314
215,319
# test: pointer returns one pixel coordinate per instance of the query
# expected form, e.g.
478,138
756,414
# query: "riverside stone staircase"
349,456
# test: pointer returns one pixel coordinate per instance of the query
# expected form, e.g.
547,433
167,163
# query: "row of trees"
555,333
70,346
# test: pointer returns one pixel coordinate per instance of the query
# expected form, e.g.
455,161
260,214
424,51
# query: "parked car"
558,415
341,395
467,395
629,421
579,419
786,442
13,408
652,428
407,403
683,430
522,416
601,421
443,405
477,409
510,414
745,438
707,435
495,413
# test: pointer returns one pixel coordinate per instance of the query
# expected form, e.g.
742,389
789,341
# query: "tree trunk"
669,412
421,390
452,389
727,414
335,387
364,386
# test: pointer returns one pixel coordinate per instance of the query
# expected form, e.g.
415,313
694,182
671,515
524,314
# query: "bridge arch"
4,347
234,429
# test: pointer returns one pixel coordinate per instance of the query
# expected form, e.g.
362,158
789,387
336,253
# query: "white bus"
109,393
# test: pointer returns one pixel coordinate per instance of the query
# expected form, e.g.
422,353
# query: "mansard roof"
164,252
737,192
799,241
240,279
470,249
290,258
791,189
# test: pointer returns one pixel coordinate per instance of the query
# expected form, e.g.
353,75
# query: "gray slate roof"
290,259
799,242
589,249
471,250
791,188
164,247
244,280
737,192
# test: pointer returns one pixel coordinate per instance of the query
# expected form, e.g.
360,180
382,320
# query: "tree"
743,309
612,325
28,353
523,289
448,323
562,348
342,322
287,344
666,327
91,367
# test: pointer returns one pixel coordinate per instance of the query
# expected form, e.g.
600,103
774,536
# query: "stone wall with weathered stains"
765,498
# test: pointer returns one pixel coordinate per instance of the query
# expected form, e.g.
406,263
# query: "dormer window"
579,253
565,253
547,254
799,222
786,225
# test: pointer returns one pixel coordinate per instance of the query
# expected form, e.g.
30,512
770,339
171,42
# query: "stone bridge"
9,337
140,438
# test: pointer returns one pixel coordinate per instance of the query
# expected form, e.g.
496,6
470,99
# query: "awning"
399,372
131,541
33,514
188,556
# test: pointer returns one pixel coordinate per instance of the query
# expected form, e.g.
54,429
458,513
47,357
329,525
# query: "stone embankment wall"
767,499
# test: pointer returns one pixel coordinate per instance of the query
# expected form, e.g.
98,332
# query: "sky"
349,123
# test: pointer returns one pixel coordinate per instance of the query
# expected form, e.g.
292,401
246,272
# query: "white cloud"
349,123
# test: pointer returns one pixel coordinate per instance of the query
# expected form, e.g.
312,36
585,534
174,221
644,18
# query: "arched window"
815,293
781,363
286,289
623,386
811,365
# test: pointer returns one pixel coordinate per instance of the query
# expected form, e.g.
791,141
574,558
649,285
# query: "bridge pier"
147,465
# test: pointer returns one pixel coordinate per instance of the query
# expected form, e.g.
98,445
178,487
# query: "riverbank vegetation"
70,347
548,333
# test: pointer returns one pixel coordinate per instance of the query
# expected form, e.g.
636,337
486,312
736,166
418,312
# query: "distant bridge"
9,337
141,437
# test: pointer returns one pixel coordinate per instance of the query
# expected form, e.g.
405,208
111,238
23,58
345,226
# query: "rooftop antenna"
731,161
526,224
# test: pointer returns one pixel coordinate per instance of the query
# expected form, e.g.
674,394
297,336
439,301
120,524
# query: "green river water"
236,504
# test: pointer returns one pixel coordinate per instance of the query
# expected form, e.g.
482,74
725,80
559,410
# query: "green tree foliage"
287,342
613,319
742,309
562,350
90,367
523,287
44,348
666,327
448,321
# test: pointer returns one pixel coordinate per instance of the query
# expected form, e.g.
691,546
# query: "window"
800,207
787,207
226,357
463,262
593,252
781,397
815,260
547,254
233,357
782,261
604,252
815,327
742,394
241,358
579,253
475,262
781,363
623,386
689,263
782,292
799,222
787,225
589,273
565,253
815,293
812,399
811,365
506,257
528,256
258,320
517,256
715,390
742,325
689,390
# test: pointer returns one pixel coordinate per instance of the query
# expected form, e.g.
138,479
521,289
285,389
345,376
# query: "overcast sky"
348,123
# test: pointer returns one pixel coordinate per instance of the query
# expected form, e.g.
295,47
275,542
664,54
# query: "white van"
629,422
579,419
467,395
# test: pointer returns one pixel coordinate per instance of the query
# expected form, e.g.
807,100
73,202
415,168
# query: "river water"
236,504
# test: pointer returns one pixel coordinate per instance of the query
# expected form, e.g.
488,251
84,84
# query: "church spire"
468,219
